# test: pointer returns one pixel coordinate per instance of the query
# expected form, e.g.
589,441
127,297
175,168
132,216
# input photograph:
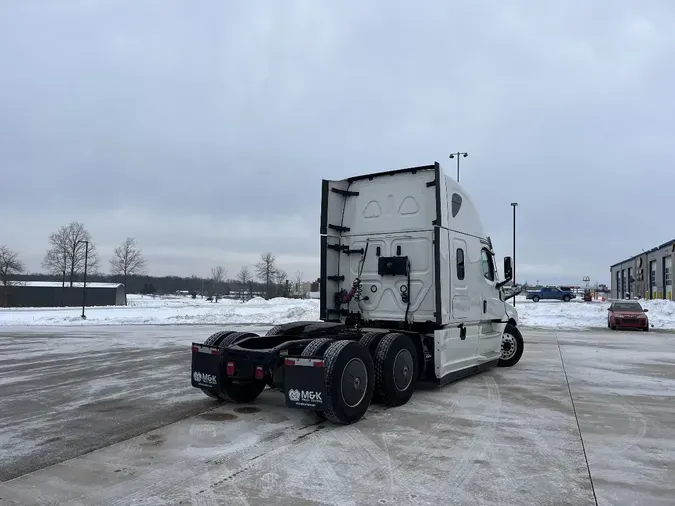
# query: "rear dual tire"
396,369
349,380
381,367
234,390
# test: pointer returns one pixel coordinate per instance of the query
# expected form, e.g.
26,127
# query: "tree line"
71,246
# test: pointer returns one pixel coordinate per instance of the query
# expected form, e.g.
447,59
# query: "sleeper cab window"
456,202
460,263
488,266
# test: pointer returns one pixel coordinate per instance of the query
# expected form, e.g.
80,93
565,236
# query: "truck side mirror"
508,270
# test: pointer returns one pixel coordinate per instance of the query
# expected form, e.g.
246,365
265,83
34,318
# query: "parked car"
627,314
551,292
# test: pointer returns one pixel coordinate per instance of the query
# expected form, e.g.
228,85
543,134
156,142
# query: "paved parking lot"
507,436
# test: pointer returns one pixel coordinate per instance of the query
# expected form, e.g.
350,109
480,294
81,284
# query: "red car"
627,314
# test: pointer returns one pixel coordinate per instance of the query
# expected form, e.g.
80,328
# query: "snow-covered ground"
172,310
578,314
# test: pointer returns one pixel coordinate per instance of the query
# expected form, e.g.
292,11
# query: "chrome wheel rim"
509,346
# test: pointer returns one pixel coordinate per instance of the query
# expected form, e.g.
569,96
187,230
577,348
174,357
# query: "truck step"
335,278
345,249
345,193
339,228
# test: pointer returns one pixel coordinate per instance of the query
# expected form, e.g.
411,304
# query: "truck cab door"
493,311
456,344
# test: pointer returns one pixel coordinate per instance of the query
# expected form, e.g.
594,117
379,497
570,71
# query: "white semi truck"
409,292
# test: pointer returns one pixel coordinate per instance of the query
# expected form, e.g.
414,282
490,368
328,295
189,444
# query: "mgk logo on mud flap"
204,378
303,395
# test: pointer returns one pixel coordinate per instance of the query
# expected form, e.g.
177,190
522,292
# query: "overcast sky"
204,128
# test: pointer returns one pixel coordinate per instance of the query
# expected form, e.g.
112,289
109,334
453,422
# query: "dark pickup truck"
551,293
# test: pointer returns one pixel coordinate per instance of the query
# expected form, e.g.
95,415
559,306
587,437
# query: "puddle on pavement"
217,417
247,410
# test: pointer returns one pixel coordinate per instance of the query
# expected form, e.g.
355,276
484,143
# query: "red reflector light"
215,352
259,373
318,363
195,348
289,361
230,368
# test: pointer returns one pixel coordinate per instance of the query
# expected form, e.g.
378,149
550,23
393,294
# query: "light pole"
458,154
84,284
514,205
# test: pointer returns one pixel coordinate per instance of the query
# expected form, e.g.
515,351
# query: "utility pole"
84,284
458,154
514,205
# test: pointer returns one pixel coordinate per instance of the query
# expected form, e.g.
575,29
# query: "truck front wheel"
535,298
349,377
512,346
395,369
566,298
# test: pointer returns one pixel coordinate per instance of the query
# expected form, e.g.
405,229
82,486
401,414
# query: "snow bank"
579,314
172,310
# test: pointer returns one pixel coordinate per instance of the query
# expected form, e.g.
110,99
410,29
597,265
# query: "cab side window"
488,266
460,263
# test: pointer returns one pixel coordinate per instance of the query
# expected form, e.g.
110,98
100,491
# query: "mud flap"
206,367
305,383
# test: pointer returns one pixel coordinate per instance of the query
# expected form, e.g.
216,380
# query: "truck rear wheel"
237,390
535,298
349,376
396,369
512,346
315,349
370,341
214,340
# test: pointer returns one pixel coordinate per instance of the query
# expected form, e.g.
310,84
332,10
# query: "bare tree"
69,241
244,276
299,276
246,279
218,275
127,261
266,271
10,266
281,280
56,259
280,276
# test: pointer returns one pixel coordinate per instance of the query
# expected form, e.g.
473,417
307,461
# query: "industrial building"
647,275
54,294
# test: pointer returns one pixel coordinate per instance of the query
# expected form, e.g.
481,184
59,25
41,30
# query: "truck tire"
566,298
370,341
350,381
235,390
396,369
214,340
316,349
512,347
535,298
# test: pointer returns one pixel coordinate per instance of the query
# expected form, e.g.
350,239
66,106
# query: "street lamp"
514,205
458,155
84,284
